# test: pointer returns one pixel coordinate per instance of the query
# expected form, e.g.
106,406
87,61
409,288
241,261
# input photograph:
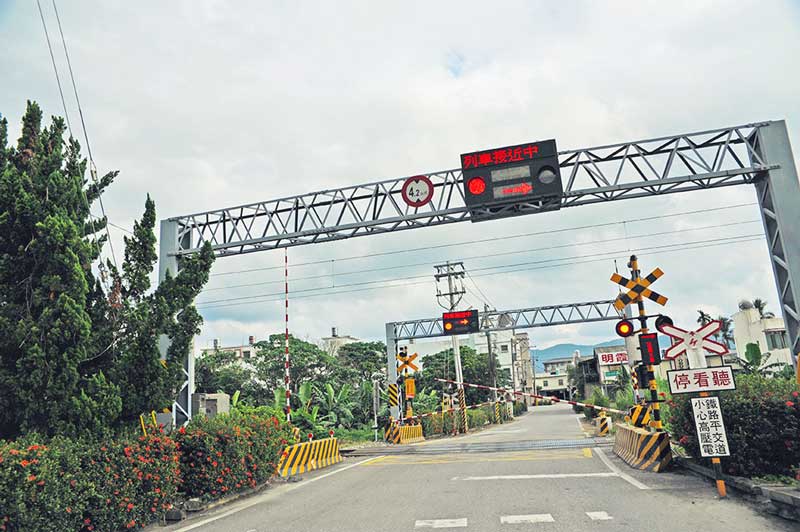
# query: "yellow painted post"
141,420
155,422
716,465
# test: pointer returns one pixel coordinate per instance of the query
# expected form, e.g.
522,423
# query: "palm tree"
704,318
761,305
725,331
755,363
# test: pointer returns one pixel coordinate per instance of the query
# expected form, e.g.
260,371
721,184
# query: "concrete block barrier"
308,456
648,451
392,434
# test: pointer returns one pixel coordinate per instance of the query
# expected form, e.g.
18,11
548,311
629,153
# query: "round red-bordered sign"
417,191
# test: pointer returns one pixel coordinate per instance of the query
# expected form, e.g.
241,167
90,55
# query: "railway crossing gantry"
757,153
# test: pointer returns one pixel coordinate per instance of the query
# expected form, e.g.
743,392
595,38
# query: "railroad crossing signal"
460,322
693,343
648,343
638,288
407,362
624,328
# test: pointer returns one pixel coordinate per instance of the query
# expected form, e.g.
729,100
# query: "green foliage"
477,417
336,405
756,363
520,407
221,371
74,485
597,399
475,368
623,400
229,452
78,356
762,420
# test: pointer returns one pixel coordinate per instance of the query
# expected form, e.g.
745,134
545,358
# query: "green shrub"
308,424
230,452
623,400
762,420
362,434
520,407
477,417
68,485
597,399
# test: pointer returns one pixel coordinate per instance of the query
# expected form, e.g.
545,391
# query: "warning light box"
460,322
514,174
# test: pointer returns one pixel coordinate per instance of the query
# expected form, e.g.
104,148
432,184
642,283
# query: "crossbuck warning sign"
693,343
638,288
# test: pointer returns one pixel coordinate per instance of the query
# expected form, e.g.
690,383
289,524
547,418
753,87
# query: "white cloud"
208,104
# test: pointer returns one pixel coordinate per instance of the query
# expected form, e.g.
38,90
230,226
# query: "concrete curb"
780,500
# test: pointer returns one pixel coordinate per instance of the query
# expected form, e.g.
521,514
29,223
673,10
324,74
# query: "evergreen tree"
76,358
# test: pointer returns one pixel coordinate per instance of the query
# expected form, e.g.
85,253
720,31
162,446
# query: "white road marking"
624,476
532,518
440,523
259,499
531,477
599,516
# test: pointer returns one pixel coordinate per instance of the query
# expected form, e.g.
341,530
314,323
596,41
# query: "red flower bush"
68,485
246,447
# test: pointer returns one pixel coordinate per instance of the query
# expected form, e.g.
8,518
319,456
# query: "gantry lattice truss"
757,153
691,161
505,320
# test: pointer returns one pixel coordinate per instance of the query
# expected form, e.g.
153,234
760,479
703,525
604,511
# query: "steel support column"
391,364
168,244
778,193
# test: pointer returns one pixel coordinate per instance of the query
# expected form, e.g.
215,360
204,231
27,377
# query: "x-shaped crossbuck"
638,288
693,343
407,362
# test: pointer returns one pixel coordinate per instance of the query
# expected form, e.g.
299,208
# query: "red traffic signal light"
476,185
624,328
651,354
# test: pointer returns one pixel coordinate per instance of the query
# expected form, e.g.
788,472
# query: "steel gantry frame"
497,320
757,153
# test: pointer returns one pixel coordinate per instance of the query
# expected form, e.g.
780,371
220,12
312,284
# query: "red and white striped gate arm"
551,398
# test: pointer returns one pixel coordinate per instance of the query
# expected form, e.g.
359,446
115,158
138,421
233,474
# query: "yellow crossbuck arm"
638,288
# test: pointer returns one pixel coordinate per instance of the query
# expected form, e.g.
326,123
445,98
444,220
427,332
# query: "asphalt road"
475,483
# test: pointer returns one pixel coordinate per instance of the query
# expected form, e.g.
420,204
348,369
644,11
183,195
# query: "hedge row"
64,485
762,420
477,417
67,485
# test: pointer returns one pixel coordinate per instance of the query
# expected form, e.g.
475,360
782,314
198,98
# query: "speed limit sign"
417,191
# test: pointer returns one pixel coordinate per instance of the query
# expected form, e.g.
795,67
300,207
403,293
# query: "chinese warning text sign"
710,429
701,380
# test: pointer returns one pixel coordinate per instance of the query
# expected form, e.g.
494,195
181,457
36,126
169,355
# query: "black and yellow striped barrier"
296,434
639,416
308,456
497,417
411,434
604,425
648,451
392,434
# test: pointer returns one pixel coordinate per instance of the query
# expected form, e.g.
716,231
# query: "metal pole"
375,405
651,375
287,378
492,369
391,365
462,400
717,466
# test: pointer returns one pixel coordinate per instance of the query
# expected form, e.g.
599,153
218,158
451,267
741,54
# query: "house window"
246,354
776,339
504,348
544,383
561,382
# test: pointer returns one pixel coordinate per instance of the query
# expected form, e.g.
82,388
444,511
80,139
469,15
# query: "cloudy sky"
205,104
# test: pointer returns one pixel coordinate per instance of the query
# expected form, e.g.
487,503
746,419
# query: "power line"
55,69
493,239
476,257
92,166
685,246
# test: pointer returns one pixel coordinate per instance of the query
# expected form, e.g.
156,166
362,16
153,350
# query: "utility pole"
492,369
454,270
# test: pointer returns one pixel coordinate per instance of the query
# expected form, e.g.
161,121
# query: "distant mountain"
566,350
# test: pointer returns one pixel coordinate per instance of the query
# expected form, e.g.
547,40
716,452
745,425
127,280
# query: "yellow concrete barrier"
648,451
392,434
411,434
308,456
604,425
640,416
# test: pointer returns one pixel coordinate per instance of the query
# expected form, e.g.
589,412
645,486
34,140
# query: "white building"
331,344
243,352
769,333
